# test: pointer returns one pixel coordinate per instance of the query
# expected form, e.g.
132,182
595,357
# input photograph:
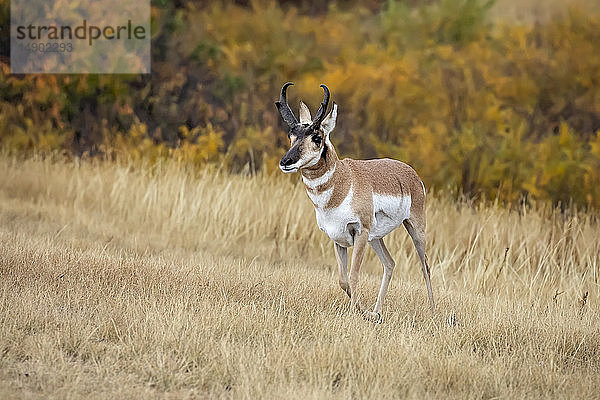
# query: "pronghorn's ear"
329,122
305,117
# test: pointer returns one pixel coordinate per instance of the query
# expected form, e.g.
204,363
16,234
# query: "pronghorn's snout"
289,161
286,161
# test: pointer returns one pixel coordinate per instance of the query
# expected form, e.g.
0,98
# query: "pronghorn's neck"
320,178
324,168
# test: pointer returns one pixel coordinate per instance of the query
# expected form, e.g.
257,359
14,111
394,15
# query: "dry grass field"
164,282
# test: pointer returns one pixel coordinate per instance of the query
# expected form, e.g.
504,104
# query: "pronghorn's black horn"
321,113
284,109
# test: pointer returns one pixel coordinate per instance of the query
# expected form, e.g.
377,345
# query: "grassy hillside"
120,281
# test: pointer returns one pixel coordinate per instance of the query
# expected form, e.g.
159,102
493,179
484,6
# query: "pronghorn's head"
307,137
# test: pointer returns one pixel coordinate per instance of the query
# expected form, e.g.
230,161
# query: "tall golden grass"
123,281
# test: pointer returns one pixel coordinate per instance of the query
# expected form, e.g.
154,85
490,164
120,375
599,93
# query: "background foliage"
492,107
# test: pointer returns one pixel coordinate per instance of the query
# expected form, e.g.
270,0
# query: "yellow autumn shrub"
488,107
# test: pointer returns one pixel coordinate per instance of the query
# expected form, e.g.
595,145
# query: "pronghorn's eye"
316,139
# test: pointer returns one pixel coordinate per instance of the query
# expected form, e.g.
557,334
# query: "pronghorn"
356,201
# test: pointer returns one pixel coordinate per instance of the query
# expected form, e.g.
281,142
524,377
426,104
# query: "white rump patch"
320,200
315,183
388,213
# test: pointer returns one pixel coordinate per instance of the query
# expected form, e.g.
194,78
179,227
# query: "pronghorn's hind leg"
388,268
341,255
416,230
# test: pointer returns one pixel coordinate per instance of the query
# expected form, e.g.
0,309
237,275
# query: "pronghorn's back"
390,177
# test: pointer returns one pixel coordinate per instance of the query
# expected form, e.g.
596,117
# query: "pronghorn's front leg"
388,267
341,255
360,244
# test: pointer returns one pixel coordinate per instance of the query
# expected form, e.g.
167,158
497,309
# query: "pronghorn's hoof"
374,317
